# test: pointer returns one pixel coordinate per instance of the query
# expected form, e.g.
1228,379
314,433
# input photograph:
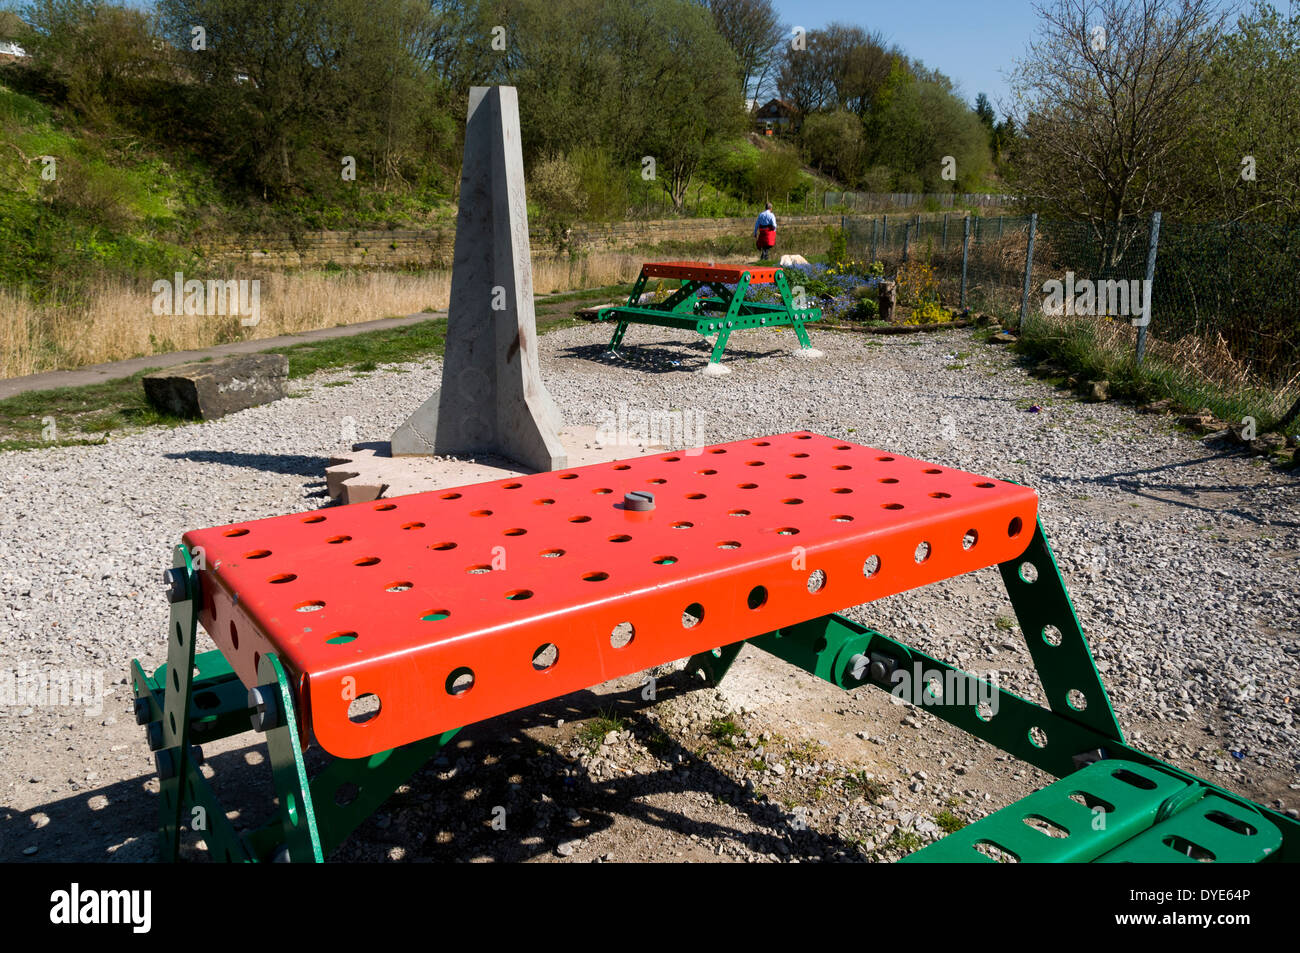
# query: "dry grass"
118,322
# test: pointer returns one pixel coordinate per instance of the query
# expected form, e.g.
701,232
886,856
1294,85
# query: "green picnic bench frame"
687,310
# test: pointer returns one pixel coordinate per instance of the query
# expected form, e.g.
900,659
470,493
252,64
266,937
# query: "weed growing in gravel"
1005,623
949,822
724,731
594,731
869,789
906,841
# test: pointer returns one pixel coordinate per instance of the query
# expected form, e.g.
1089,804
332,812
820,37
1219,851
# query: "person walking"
765,231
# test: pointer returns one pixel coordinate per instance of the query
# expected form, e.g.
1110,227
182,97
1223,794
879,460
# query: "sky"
974,42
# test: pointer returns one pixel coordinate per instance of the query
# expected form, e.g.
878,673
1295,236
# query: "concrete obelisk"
492,399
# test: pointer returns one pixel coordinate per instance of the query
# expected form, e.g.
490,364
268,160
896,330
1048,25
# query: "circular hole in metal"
335,540
664,560
1051,635
399,586
695,496
545,656
787,531
755,463
480,513
514,531
1037,737
891,506
450,496
842,518
478,569
441,547
314,518
366,561
692,615
885,459
280,579
922,552
871,566
737,512
985,485
1014,527
551,553
435,615
257,554
671,459
622,466
460,681
364,708
385,506
512,486
656,480
518,595
816,580
803,436
234,636
595,576
682,524
341,638
620,538
841,489
568,476
544,501
757,597
792,501
315,605
762,443
729,544
799,456
887,480
1076,699
941,496
970,538
602,491
1028,571
796,476
932,470
238,532
622,635
747,486
579,519
706,472
842,466
412,526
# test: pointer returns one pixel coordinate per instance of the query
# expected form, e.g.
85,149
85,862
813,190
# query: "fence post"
1029,268
874,225
943,244
965,254
907,233
1150,286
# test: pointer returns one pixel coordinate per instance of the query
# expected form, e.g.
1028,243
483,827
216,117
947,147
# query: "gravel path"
1182,558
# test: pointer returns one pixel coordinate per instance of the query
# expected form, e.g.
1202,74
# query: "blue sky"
972,41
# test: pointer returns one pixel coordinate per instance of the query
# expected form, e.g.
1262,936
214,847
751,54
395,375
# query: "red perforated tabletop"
528,588
703,271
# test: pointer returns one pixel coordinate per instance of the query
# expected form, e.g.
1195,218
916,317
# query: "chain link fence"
1213,304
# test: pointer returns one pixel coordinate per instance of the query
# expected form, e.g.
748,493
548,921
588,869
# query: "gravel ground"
1181,557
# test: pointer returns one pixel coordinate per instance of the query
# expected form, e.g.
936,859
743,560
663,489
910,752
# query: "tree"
984,111
834,144
754,32
1107,107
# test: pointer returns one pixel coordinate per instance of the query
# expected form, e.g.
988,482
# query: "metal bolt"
858,666
177,590
639,501
142,711
266,710
879,671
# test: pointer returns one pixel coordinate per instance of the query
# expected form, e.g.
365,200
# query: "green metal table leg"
301,835
719,346
170,735
711,667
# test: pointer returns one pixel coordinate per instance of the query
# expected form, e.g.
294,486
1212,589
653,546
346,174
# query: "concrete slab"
371,471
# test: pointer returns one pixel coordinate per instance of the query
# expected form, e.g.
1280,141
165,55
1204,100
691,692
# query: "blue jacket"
765,220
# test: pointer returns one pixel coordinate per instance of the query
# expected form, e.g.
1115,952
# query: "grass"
869,789
724,731
949,822
592,734
1193,373
119,404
